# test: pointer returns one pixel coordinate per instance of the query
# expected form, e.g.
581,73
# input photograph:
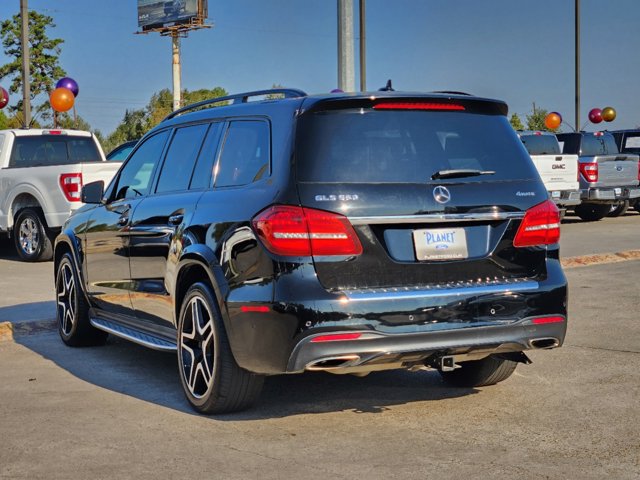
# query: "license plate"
555,194
618,191
440,244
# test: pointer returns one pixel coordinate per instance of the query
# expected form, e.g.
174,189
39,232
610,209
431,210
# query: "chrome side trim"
457,289
135,336
437,218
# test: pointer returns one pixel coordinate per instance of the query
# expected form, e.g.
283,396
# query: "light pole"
26,81
577,63
346,77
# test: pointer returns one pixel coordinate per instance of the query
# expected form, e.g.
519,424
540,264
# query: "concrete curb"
10,331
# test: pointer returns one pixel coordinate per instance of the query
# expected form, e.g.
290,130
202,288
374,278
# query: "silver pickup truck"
41,177
607,177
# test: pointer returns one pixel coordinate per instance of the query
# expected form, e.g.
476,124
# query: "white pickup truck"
559,171
41,178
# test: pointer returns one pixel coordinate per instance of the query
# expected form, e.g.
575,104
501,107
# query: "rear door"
435,192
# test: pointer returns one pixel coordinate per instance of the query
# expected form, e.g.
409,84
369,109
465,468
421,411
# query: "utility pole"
177,81
363,47
26,61
577,72
346,74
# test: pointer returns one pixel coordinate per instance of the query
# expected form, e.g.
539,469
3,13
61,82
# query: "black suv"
346,233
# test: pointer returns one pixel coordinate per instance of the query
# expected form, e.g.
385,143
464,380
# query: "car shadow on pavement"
28,312
152,376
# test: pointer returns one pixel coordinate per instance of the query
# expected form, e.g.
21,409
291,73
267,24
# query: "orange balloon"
608,114
552,121
61,99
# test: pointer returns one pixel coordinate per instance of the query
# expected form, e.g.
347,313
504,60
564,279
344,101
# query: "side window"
245,154
181,158
204,167
135,177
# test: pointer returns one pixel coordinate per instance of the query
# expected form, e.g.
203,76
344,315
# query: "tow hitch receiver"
447,364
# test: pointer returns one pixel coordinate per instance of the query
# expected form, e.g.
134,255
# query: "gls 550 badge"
336,198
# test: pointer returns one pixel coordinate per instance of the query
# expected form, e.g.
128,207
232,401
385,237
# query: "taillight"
540,226
336,337
297,231
589,171
71,184
417,106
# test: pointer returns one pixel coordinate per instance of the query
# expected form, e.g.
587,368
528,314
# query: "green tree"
535,121
515,122
44,55
4,121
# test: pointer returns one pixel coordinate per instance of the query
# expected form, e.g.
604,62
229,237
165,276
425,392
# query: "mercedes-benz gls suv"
347,233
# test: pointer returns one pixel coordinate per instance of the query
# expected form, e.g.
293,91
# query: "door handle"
123,220
176,219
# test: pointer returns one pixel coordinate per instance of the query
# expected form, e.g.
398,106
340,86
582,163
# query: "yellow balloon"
608,114
61,99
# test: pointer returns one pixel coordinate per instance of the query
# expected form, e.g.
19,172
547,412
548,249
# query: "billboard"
159,13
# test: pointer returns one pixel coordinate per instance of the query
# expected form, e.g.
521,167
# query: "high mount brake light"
417,106
297,231
71,185
589,171
540,226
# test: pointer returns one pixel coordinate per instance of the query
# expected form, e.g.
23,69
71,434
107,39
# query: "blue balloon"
70,84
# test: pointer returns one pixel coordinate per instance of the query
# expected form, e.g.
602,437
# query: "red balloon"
4,98
61,99
595,115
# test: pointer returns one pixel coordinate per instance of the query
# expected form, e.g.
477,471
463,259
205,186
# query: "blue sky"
518,51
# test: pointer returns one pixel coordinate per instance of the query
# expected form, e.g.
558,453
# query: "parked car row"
593,173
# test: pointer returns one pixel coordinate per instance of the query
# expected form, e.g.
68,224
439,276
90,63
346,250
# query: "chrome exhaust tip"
333,363
544,343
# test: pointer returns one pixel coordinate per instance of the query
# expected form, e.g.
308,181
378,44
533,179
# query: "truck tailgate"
558,172
616,170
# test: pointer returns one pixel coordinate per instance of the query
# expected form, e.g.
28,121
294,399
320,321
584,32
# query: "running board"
136,336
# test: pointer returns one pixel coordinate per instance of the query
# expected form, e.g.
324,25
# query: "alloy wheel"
29,236
66,293
197,347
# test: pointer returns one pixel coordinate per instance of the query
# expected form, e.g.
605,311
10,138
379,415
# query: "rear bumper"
401,325
374,350
609,194
566,198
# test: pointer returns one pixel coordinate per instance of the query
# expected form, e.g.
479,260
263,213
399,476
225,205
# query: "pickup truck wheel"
72,310
592,212
478,373
636,205
619,209
31,236
211,379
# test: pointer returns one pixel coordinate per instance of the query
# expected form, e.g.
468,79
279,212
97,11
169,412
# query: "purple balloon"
69,83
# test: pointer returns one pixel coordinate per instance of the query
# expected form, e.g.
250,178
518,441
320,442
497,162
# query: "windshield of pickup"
49,150
598,144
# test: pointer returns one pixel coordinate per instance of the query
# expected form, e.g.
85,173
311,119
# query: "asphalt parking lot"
117,411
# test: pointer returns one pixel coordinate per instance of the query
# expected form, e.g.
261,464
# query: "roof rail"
238,98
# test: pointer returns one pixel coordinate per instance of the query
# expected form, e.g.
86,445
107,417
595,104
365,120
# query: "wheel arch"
69,243
19,200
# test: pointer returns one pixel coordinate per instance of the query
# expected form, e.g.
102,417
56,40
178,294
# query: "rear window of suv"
362,146
603,144
48,150
541,144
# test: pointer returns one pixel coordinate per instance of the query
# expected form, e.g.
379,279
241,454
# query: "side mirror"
93,192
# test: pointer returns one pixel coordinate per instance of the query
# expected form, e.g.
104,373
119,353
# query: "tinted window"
406,146
135,177
245,154
121,153
181,158
541,144
598,145
204,167
47,150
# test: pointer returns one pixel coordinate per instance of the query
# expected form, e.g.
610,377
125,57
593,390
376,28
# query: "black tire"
619,209
592,212
72,310
479,373
211,379
31,237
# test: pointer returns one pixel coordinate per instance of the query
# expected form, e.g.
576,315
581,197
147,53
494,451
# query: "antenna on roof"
387,87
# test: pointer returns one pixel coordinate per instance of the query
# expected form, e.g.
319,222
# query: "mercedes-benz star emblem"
441,194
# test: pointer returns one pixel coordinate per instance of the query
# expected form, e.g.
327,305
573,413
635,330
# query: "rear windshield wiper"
458,173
